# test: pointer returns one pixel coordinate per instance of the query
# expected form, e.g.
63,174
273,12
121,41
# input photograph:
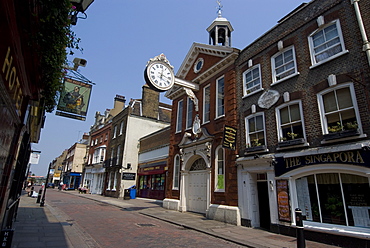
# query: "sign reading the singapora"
74,99
229,139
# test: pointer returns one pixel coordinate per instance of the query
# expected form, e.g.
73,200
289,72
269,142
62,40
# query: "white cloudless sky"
120,36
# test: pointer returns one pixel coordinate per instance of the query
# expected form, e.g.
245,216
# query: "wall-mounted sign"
6,237
356,157
229,139
74,99
282,189
34,158
128,176
268,98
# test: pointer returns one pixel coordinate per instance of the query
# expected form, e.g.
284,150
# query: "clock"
159,73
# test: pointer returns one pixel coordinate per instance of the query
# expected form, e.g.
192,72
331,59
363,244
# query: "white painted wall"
137,127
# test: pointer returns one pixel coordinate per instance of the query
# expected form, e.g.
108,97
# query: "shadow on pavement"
36,227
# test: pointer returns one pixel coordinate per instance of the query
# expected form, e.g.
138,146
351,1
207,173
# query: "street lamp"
42,203
80,6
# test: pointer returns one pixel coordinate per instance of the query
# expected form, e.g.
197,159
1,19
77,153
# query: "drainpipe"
366,42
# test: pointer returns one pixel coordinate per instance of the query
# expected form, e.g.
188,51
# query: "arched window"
335,198
220,170
176,173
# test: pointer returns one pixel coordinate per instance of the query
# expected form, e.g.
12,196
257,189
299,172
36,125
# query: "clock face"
160,76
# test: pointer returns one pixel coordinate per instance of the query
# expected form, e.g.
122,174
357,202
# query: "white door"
197,192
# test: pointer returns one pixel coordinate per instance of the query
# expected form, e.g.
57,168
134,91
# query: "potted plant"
255,145
341,131
290,140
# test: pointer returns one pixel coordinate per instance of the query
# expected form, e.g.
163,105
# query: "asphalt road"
110,226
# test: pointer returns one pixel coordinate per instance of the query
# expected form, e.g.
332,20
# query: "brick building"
303,101
94,172
201,172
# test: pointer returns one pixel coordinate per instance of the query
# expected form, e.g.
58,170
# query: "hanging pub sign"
282,189
229,138
74,99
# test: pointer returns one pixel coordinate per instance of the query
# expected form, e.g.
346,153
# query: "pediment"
197,50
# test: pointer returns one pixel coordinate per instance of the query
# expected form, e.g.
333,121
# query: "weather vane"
219,8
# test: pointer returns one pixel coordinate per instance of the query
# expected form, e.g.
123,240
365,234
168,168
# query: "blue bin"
132,193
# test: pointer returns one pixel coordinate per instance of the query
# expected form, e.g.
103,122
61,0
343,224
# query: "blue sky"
120,36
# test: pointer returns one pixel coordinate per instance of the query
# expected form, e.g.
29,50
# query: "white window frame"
245,89
217,167
274,68
311,44
220,97
278,122
118,154
176,172
110,181
324,123
114,182
114,132
121,128
111,156
208,113
248,132
180,110
189,113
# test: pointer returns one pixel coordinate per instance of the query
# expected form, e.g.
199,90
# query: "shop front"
331,187
152,178
329,184
72,180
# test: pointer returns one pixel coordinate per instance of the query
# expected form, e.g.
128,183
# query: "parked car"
50,185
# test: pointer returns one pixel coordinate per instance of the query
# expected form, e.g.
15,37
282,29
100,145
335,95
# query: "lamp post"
42,203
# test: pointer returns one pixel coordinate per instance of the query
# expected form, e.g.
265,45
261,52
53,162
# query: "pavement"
46,226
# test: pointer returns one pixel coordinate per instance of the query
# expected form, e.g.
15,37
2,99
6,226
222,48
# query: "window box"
292,142
255,149
341,134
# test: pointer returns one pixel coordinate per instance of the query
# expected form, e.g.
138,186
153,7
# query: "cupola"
220,30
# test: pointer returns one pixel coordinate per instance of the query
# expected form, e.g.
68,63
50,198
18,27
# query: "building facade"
94,173
57,168
100,131
202,172
74,163
303,104
141,117
22,104
152,164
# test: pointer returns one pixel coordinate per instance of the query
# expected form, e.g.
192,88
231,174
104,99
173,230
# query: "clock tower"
220,30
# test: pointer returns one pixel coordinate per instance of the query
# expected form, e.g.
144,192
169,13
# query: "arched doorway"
197,187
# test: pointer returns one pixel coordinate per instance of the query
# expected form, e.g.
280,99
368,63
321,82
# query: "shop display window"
335,198
152,182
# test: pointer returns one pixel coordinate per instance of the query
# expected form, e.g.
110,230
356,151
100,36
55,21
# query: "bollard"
301,243
31,192
39,196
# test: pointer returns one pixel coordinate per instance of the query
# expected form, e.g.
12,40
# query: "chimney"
150,102
119,102
119,105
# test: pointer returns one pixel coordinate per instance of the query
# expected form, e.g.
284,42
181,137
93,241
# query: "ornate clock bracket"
192,96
